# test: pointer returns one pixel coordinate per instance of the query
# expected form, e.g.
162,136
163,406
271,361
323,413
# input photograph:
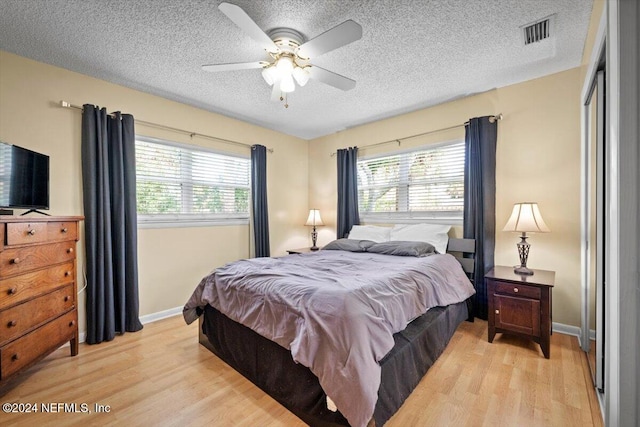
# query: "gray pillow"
350,245
403,248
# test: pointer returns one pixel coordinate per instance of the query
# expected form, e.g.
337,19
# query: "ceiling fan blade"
332,79
244,21
233,66
341,35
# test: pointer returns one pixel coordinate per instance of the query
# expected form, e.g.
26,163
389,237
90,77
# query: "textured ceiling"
413,53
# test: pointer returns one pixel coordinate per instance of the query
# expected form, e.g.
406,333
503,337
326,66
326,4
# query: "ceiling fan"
290,55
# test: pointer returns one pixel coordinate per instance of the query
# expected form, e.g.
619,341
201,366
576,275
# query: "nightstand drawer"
517,290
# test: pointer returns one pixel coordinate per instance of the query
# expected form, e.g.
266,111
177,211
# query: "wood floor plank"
162,376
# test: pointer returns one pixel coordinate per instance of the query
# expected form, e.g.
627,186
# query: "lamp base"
523,270
314,239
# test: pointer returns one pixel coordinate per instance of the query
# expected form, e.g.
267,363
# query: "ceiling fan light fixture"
284,64
301,75
270,75
286,84
290,53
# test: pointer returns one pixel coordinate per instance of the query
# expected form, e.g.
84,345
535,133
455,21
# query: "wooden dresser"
38,290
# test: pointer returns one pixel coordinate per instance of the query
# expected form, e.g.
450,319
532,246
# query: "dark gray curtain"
109,191
480,201
259,200
347,190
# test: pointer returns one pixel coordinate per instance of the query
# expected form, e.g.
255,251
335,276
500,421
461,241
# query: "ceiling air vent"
537,31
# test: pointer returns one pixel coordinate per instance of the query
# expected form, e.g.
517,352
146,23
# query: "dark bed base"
271,367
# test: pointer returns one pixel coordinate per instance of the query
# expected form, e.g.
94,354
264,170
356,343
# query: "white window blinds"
425,183
185,183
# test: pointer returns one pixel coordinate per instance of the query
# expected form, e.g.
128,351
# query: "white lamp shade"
270,74
301,75
314,218
526,218
285,65
286,84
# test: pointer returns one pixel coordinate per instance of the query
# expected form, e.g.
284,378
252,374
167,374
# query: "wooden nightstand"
520,304
299,251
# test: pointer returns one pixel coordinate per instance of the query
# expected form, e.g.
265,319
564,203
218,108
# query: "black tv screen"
24,178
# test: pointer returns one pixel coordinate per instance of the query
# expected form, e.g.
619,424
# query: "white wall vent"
538,31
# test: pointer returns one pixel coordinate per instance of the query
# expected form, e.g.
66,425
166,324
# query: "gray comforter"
336,311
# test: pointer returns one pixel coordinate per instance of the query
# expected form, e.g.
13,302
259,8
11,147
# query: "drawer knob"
73,322
70,250
64,230
15,261
66,298
12,323
12,291
31,231
497,311
515,290
67,273
15,357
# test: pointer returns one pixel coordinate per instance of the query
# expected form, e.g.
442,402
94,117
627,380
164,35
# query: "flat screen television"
24,178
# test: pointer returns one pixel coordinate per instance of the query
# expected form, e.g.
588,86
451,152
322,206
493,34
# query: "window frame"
178,220
449,217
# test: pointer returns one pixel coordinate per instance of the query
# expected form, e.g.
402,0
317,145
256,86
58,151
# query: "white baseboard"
153,317
561,328
147,318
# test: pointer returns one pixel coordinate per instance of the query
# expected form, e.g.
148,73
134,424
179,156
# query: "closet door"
602,203
596,206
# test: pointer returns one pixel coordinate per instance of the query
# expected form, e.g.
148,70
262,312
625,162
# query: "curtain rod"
492,119
65,104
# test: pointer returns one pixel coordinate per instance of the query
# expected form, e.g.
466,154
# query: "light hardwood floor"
162,376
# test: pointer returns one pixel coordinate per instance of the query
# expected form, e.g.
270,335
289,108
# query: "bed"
341,336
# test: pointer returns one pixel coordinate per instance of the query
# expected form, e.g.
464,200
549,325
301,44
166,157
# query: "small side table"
299,251
520,304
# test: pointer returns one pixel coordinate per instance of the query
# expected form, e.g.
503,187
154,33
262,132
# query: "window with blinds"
183,184
427,183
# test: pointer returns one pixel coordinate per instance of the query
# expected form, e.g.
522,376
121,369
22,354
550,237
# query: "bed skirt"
271,367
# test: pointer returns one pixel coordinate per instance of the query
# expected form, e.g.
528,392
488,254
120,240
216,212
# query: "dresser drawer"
24,233
17,320
21,260
35,345
17,289
517,290
62,231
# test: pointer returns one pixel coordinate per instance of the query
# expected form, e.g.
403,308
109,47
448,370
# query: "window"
185,185
427,183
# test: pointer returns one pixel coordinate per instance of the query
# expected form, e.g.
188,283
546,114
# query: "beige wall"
538,159
171,261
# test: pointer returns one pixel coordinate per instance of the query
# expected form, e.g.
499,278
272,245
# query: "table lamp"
313,220
525,218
